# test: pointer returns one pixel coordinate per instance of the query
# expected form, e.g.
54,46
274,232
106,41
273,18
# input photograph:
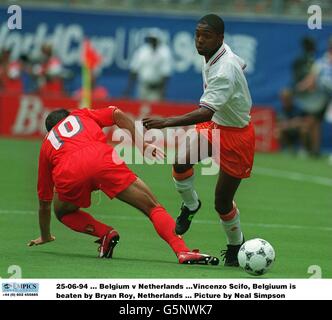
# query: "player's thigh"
192,151
139,196
62,208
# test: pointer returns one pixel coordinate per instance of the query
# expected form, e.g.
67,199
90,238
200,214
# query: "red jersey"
62,152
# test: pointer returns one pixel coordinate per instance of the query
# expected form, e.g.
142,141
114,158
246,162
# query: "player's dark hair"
214,22
54,117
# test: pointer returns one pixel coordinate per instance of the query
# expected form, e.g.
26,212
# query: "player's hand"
154,123
40,241
153,152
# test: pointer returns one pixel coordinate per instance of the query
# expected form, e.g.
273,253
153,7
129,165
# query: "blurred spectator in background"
27,76
314,94
151,66
303,64
98,92
322,71
49,73
291,129
10,74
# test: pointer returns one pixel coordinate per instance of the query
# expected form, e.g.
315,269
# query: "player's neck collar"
221,51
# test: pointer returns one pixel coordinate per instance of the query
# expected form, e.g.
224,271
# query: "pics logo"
28,287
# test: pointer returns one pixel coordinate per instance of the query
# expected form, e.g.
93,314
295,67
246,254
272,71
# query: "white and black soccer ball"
256,256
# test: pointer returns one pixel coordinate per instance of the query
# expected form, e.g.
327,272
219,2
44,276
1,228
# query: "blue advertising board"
269,47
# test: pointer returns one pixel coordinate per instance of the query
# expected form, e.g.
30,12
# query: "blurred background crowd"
292,8
301,95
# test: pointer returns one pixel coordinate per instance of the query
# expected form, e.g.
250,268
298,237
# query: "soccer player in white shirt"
150,67
225,105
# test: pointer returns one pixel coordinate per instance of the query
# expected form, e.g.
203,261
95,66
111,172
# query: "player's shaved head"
214,22
54,117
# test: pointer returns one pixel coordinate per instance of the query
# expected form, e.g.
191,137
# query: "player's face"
207,40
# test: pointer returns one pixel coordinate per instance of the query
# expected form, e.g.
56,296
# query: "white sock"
187,192
233,229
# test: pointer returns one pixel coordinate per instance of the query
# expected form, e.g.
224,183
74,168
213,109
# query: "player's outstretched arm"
44,224
124,122
197,116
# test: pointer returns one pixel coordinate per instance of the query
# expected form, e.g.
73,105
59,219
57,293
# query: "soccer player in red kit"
76,160
224,109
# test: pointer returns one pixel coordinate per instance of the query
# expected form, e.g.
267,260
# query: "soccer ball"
256,256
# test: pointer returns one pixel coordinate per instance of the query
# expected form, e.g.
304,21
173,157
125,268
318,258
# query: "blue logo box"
20,287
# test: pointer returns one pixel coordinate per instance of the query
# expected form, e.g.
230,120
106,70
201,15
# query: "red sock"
165,225
81,221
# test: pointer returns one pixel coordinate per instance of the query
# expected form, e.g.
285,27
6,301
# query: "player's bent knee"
61,211
182,168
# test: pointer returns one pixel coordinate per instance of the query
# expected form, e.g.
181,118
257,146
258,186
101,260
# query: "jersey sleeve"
45,184
104,117
217,93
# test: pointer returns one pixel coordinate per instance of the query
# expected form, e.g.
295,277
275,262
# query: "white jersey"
226,89
152,65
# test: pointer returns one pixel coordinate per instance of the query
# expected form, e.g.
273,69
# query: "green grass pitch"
287,202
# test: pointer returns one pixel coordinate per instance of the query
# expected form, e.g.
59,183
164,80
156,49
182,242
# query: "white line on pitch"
198,221
291,175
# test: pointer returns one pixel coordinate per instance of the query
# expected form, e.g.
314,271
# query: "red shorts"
237,147
92,168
